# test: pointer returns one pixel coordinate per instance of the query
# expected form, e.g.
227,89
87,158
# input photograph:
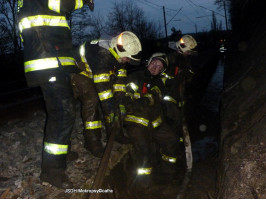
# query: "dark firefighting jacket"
102,66
46,38
179,69
143,99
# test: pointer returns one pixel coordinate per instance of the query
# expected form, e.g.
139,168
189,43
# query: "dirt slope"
243,138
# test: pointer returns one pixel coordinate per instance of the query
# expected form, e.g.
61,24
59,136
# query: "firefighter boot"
168,170
93,144
56,177
143,183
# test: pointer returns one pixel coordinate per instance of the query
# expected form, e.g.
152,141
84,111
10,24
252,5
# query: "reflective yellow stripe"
138,120
109,118
114,53
82,51
100,78
93,125
40,64
66,61
42,20
133,86
47,63
122,109
54,5
136,95
181,104
148,95
167,76
157,122
20,4
119,88
82,54
105,95
168,158
55,149
79,4
144,171
122,73
164,80
169,98
156,89
89,75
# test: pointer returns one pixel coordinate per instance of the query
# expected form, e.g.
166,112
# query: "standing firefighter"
48,63
101,62
179,70
182,68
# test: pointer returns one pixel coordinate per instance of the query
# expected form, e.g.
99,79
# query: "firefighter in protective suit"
143,121
102,63
48,63
179,70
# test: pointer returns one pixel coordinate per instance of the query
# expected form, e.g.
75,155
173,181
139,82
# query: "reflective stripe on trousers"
55,149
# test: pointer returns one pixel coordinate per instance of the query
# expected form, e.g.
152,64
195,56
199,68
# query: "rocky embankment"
243,138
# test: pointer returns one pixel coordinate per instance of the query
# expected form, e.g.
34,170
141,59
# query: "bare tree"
98,26
214,25
127,16
8,26
80,22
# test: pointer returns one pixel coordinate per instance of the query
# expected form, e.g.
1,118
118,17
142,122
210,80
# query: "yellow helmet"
160,56
186,43
126,44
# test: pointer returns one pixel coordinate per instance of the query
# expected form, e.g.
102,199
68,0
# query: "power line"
152,3
189,19
145,3
204,16
191,4
206,8
174,16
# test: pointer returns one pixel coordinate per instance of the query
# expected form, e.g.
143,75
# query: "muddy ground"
21,136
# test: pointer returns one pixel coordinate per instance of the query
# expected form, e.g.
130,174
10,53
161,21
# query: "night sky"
181,14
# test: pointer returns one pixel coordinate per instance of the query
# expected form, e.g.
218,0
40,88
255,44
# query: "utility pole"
165,28
225,17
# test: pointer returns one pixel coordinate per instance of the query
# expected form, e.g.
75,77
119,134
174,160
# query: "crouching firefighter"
95,87
48,63
144,123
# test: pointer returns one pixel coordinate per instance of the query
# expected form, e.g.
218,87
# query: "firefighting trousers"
104,89
61,114
144,138
84,89
167,140
142,143
173,116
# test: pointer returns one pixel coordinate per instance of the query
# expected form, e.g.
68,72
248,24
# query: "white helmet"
186,43
126,44
160,56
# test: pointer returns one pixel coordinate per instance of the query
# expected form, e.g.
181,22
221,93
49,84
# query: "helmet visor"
120,48
182,43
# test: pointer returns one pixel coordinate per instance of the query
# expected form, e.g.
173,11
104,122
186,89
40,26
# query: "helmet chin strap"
117,57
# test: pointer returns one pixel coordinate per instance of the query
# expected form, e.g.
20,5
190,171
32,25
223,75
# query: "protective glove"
90,3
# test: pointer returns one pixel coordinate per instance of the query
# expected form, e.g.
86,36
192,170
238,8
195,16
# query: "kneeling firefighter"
95,87
143,121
